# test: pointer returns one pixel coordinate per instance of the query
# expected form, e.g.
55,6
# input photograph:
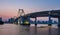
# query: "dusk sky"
9,8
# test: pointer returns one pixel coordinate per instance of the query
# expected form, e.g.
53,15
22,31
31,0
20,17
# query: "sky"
9,8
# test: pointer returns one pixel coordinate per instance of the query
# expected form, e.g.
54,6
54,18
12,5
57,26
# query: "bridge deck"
53,13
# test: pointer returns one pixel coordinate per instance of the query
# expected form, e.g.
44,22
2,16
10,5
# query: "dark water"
12,29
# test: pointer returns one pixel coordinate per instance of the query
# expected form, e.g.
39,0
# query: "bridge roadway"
52,13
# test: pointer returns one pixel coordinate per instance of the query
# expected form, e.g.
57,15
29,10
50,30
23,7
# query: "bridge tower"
20,14
49,19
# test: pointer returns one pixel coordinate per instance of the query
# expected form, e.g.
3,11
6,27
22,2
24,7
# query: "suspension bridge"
25,18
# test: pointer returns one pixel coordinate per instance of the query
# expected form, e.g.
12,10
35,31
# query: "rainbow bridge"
50,14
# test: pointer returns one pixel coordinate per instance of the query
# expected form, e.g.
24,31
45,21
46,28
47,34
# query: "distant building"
55,22
0,19
11,20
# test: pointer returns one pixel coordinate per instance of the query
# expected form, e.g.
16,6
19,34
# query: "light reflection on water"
38,25
12,29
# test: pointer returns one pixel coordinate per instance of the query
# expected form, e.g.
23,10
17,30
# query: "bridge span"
50,14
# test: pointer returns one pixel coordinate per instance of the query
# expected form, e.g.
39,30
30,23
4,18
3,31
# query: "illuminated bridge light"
26,22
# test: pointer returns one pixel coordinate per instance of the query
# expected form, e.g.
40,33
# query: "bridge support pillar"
59,22
29,20
50,21
19,21
35,21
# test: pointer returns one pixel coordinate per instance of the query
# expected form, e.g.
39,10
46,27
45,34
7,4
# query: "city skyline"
9,8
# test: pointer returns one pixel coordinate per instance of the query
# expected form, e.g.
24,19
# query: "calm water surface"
40,29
